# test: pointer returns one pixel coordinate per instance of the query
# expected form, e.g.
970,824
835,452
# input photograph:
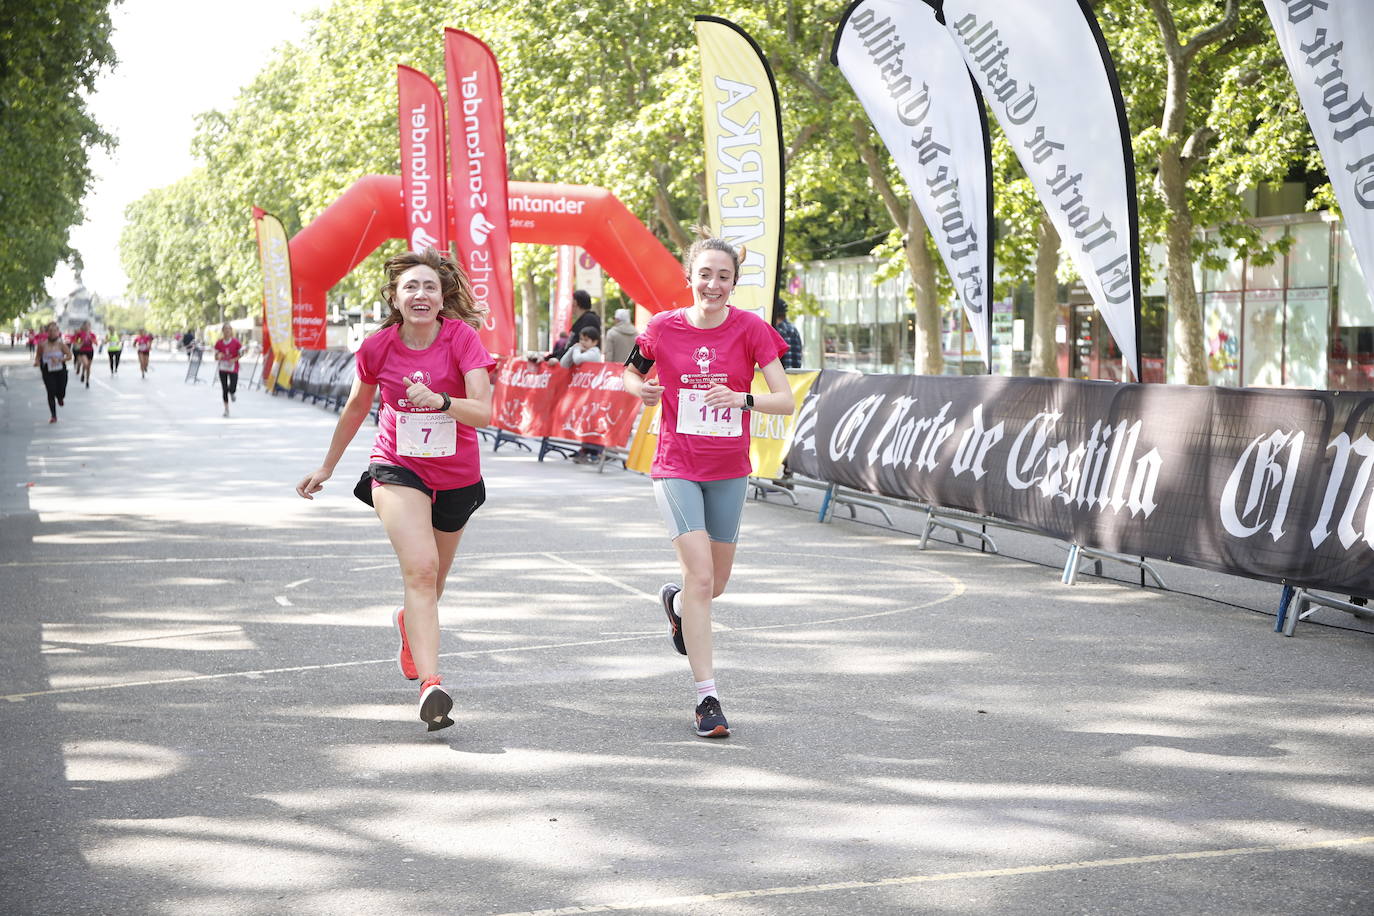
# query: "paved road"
201,713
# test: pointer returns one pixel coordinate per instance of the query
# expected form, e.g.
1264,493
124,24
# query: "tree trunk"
529,313
930,358
1185,313
1044,348
1177,154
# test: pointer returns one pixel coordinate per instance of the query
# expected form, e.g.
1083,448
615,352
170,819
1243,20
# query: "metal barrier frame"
1300,603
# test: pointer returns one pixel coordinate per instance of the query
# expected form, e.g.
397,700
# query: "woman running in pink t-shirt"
227,351
706,354
424,479
143,345
83,344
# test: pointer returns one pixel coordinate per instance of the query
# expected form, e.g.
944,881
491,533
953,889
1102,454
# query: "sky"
175,61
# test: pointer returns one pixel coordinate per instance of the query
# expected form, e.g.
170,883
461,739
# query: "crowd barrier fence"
1267,484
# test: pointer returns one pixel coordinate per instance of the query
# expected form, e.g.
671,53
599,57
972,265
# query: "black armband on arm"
639,361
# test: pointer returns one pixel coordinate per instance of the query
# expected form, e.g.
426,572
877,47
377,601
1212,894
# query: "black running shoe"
435,704
710,720
665,596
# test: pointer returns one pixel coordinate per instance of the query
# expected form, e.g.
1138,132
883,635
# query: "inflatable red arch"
371,213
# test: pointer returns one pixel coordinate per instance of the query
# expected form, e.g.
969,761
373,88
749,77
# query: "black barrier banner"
1263,483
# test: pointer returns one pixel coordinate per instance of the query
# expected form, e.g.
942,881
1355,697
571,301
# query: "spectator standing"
584,317
619,338
792,359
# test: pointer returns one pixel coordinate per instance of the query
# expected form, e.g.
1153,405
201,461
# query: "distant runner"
51,355
114,347
83,344
227,350
143,345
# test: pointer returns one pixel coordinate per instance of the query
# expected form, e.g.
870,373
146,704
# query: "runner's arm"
639,386
475,409
778,400
355,410
472,410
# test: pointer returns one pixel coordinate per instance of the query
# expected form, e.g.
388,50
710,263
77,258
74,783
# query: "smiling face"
712,278
419,295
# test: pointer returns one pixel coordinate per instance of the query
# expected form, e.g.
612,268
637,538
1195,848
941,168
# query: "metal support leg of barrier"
1305,604
852,503
1285,601
826,500
1078,553
502,437
765,488
935,520
547,445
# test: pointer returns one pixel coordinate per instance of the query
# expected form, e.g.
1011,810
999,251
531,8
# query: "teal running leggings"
713,506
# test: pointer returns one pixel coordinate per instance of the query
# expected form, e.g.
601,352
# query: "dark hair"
582,298
459,303
779,310
592,333
710,244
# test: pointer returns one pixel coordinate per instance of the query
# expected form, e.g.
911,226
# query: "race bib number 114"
696,418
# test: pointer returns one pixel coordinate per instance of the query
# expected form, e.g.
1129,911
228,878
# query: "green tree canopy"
607,92
52,52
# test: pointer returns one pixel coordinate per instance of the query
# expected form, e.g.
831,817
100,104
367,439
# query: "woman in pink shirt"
227,350
83,344
424,479
705,354
143,345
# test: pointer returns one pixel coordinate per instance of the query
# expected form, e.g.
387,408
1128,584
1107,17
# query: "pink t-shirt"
83,340
385,360
688,357
143,343
227,352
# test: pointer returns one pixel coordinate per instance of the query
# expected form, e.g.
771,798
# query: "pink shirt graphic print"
440,450
696,442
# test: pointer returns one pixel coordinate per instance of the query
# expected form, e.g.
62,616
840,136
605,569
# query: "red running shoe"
403,658
435,704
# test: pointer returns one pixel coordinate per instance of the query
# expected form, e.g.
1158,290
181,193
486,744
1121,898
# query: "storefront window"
1262,353
1353,343
1221,323
1309,323
1309,260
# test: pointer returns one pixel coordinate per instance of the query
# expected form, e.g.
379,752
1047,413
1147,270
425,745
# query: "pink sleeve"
472,354
365,373
767,343
646,340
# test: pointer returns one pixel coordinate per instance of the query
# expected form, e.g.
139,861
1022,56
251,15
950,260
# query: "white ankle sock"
676,601
706,689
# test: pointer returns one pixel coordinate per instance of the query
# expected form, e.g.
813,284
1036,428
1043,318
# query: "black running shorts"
450,509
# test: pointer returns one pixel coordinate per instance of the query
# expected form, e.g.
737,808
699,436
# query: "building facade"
1304,321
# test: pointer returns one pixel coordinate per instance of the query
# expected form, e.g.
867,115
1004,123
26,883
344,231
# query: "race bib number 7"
426,435
696,418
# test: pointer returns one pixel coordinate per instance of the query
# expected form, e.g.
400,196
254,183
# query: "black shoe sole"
434,710
674,621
